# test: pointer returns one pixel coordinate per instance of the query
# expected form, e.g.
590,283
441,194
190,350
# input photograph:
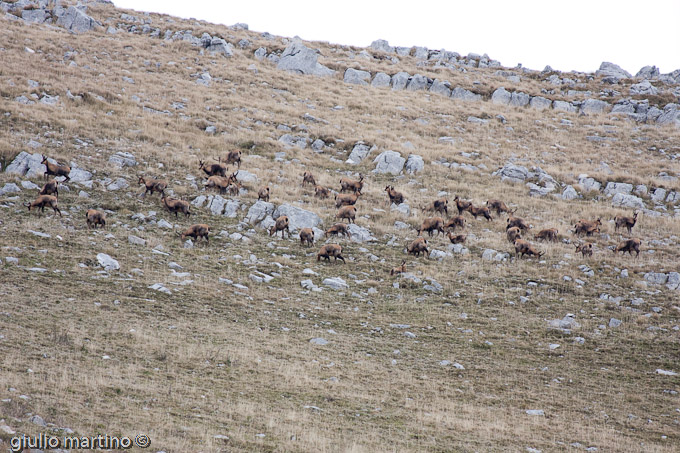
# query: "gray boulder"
244,176
37,16
540,103
588,184
118,184
612,70
75,20
231,209
335,283
519,99
648,72
108,263
417,82
627,201
400,80
414,164
670,115
8,188
512,172
389,162
381,80
441,87
643,88
465,95
613,188
298,218
220,46
79,175
501,96
673,281
564,106
300,59
123,159
569,193
656,278
261,53
294,140
593,106
360,234
359,153
259,211
216,205
382,45
356,76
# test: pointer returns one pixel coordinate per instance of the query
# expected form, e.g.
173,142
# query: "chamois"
522,248
308,178
517,222
218,169
347,212
395,197
498,206
455,222
329,250
152,185
418,246
55,169
587,227
263,194
321,192
481,210
94,218
585,249
457,239
44,200
346,199
351,185
200,230
627,222
399,270
462,205
513,233
50,187
431,224
630,246
176,206
280,225
549,234
307,235
219,182
338,229
441,206
234,157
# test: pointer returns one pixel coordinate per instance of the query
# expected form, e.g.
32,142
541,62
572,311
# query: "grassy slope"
211,359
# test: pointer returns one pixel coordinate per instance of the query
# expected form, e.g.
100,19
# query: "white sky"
567,34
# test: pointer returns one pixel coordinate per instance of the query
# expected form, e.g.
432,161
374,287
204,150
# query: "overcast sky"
567,35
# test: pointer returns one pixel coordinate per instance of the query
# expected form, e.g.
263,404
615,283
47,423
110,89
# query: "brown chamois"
200,230
307,235
522,248
455,222
94,218
346,199
234,188
630,246
351,185
513,233
233,178
457,239
517,222
431,224
152,185
44,200
627,222
441,206
418,246
321,192
399,270
462,205
176,206
395,197
584,249
234,157
548,234
347,212
587,227
481,210
50,187
218,169
280,225
338,229
219,182
329,250
498,206
263,194
55,169
308,178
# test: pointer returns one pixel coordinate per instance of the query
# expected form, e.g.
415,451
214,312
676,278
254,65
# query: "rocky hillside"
248,341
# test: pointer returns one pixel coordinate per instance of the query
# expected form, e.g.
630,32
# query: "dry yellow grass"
211,359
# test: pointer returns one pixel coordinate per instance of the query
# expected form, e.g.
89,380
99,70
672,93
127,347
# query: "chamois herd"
345,202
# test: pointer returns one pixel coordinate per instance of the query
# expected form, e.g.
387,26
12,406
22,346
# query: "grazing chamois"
395,197
522,248
441,206
348,199
513,233
548,234
399,270
347,212
630,246
234,157
176,206
584,249
627,222
498,206
418,246
351,185
307,235
218,182
431,224
329,250
321,192
308,178
200,230
152,185
94,218
587,227
55,169
50,187
280,225
462,205
234,188
481,210
516,222
339,229
263,194
44,200
455,222
457,239
217,169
